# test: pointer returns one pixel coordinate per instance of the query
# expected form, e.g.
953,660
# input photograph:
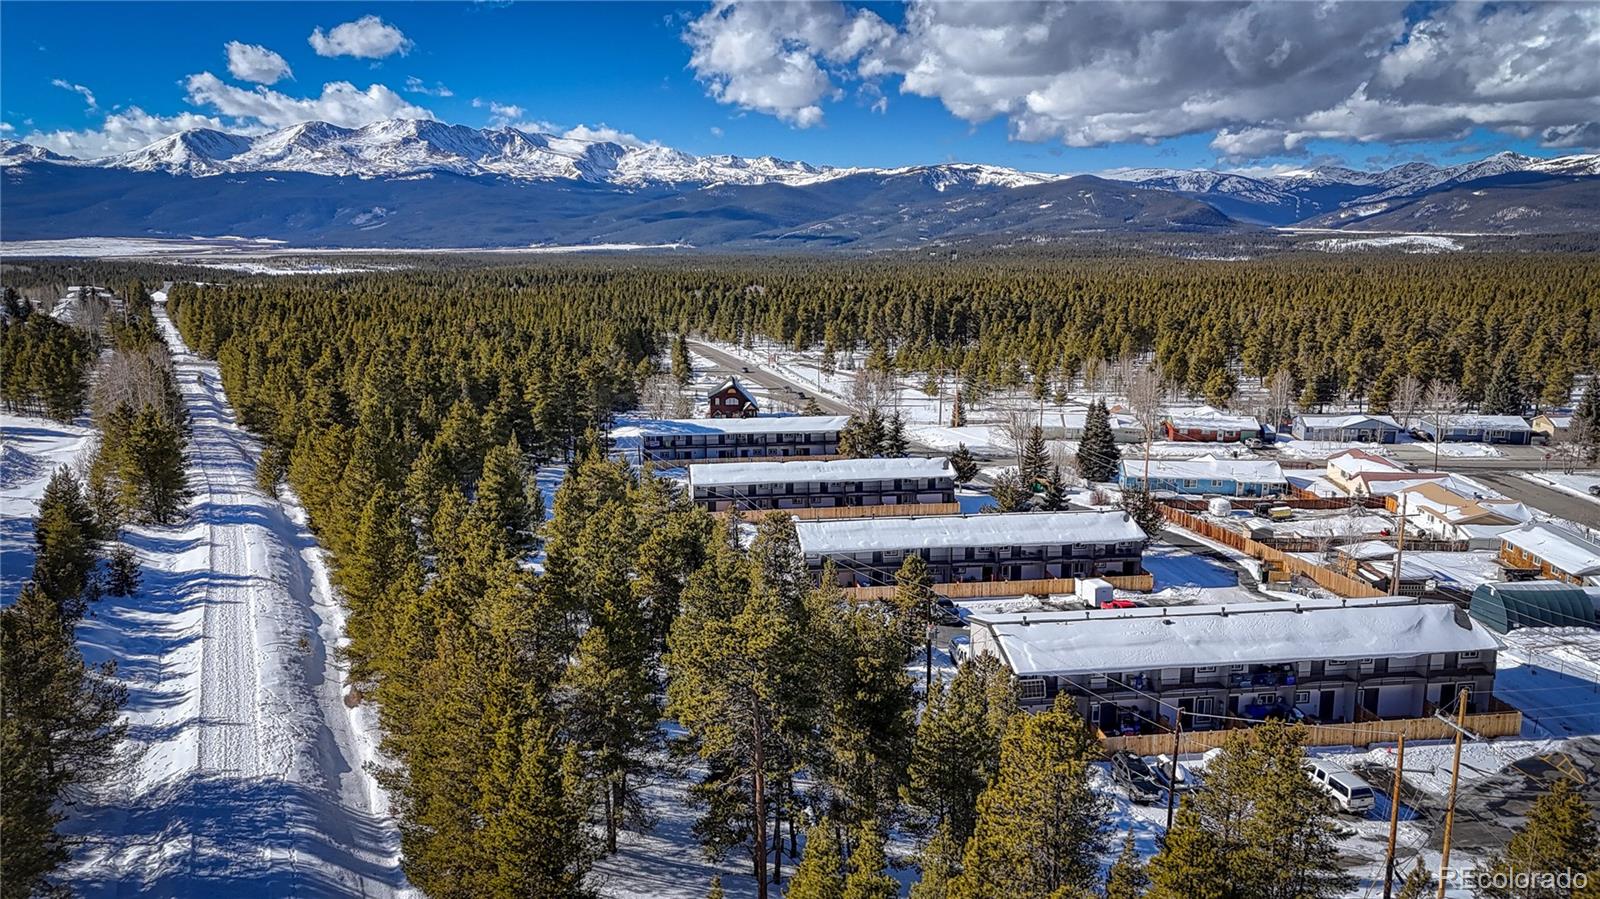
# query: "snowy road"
245,774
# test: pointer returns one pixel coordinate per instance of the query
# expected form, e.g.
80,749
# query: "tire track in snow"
246,771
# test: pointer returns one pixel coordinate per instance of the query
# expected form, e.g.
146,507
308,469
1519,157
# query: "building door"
1369,699
1325,709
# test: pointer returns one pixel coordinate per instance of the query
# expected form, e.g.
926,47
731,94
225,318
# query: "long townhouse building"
761,436
1014,546
757,486
1332,661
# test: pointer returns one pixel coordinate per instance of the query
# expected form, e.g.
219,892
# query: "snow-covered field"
1322,449
31,449
244,774
1410,243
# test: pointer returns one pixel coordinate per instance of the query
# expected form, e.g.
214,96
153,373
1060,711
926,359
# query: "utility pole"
1172,772
1455,777
1394,817
1399,547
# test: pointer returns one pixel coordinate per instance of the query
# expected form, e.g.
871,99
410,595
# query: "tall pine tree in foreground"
1097,450
1560,835
1260,828
957,747
869,876
1040,827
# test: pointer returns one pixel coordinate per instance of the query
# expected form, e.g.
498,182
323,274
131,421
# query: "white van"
1349,792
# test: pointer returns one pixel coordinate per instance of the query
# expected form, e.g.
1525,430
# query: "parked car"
1350,793
1254,443
1133,774
945,613
1274,711
1594,489
1161,766
960,648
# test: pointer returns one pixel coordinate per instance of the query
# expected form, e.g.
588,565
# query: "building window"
1267,698
1302,697
1030,688
1207,669
1470,656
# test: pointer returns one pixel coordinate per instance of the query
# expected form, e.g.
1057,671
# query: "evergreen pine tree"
123,572
1504,395
811,407
1034,465
868,713
1560,835
1054,498
1192,863
1040,826
894,438
66,539
1009,492
1144,510
682,371
820,874
958,412
58,727
962,463
1127,878
506,498
715,890
939,862
1097,450
913,602
869,876
956,750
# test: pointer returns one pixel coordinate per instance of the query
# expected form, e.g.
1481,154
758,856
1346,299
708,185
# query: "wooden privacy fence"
1295,502
1365,733
1324,578
984,589
829,513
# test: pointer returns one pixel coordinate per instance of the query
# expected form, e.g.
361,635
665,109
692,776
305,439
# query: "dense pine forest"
524,663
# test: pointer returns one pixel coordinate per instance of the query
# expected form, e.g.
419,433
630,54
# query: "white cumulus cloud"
341,103
121,132
253,62
368,37
1261,77
604,132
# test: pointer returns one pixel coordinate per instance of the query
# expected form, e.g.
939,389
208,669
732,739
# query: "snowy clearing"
244,772
1409,243
1469,451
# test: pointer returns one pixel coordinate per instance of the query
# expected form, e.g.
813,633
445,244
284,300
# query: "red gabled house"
731,400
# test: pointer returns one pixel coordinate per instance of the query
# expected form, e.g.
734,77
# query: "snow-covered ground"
1577,483
1469,451
243,773
1322,449
31,449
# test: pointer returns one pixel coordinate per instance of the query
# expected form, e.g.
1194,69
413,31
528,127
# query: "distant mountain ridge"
427,183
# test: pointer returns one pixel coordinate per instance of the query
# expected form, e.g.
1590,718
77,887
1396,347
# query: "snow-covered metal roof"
759,424
1261,633
1209,418
1558,546
1475,422
1247,471
944,531
815,472
1347,421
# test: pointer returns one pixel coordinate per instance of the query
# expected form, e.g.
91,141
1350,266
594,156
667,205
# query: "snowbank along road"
245,769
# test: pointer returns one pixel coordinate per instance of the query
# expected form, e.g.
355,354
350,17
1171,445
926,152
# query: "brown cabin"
731,400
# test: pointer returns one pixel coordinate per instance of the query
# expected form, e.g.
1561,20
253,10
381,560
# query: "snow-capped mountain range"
411,147
504,186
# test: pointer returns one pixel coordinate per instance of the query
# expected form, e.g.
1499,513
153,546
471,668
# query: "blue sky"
1060,88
